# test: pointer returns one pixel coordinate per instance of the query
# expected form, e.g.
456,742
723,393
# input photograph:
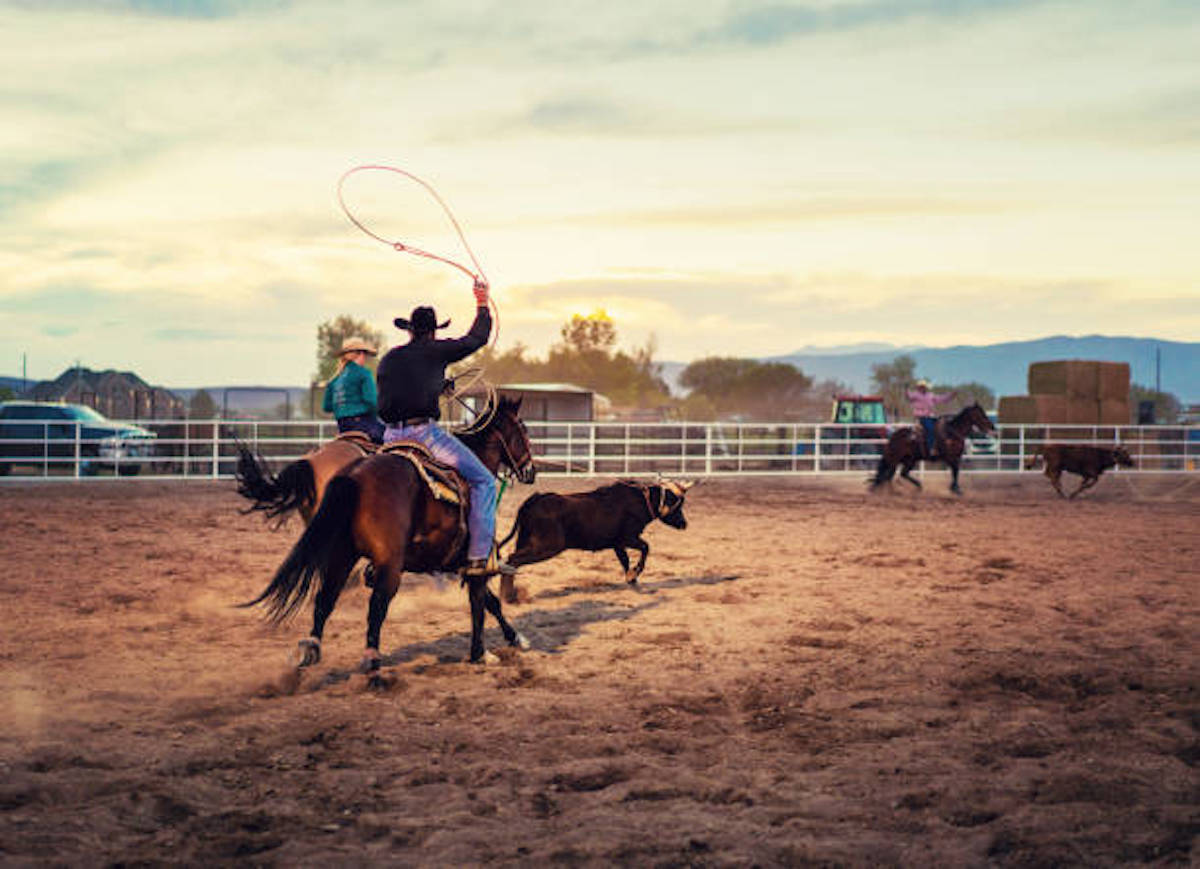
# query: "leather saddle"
443,481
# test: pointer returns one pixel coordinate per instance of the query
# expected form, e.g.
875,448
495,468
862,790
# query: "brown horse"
906,446
299,486
380,508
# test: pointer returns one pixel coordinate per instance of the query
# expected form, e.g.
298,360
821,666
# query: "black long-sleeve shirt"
410,376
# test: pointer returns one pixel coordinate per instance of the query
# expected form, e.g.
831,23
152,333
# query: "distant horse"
379,507
906,446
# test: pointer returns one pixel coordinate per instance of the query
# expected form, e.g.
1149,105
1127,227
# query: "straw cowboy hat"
355,344
923,383
422,319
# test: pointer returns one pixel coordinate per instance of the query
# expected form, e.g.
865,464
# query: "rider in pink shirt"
924,404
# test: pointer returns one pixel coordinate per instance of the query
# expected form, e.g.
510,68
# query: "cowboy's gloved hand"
481,292
447,386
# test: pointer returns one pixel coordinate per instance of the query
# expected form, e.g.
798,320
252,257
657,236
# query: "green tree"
330,336
892,380
586,355
202,406
972,392
6,394
1166,405
747,387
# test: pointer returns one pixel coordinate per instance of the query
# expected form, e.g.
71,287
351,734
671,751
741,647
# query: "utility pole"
1158,369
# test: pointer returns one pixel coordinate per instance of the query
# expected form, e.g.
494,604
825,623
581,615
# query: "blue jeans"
928,423
367,423
446,448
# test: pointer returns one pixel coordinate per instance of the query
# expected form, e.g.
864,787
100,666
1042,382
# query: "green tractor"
866,425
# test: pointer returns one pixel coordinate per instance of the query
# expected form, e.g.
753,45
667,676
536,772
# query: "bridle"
513,466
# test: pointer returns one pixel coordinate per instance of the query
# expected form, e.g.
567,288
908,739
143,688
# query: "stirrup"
481,568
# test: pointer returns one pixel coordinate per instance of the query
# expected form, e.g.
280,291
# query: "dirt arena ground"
812,676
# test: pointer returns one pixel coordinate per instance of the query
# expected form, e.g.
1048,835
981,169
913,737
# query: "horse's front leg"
954,476
511,635
477,591
387,582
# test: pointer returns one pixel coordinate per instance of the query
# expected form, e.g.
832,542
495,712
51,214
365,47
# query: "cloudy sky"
728,177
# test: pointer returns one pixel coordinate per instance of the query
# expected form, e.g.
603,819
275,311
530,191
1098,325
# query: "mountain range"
1004,367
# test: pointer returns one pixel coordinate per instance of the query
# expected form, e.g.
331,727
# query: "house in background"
546,402
116,394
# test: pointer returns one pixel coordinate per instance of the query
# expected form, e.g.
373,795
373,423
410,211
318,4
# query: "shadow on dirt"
547,630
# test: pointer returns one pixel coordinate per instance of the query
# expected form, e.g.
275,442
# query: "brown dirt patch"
812,675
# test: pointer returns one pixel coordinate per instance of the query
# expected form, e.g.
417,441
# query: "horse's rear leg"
906,472
337,571
387,582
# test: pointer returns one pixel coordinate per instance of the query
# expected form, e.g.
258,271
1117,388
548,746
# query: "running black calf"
611,517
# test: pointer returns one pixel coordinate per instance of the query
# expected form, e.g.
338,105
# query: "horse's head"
978,418
1122,458
510,433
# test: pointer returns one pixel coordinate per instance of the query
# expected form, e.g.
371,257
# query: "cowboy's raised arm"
478,334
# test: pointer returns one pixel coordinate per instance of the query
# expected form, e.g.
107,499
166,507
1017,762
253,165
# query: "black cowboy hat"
422,319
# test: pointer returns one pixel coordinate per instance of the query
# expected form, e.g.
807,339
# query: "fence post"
78,451
708,447
817,448
1021,449
591,465
216,449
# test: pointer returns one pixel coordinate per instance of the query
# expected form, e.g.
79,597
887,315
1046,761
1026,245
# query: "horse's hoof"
309,652
487,659
521,642
370,662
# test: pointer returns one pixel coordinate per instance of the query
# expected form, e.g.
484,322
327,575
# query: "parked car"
31,432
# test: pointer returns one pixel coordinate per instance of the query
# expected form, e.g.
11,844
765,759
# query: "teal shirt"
350,393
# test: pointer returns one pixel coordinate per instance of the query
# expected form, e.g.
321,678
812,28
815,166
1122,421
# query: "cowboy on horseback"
411,377
924,404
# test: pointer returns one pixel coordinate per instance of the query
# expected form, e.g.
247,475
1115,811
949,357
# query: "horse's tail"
1033,459
279,495
326,540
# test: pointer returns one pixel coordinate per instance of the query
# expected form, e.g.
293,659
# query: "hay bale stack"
1075,378
1072,392
1031,409
1115,412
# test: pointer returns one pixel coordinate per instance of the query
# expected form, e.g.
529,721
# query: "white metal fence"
207,449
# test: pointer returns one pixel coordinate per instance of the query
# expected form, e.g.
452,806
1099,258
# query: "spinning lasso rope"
477,276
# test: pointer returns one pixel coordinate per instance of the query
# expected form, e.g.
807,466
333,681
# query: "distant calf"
1086,461
611,517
